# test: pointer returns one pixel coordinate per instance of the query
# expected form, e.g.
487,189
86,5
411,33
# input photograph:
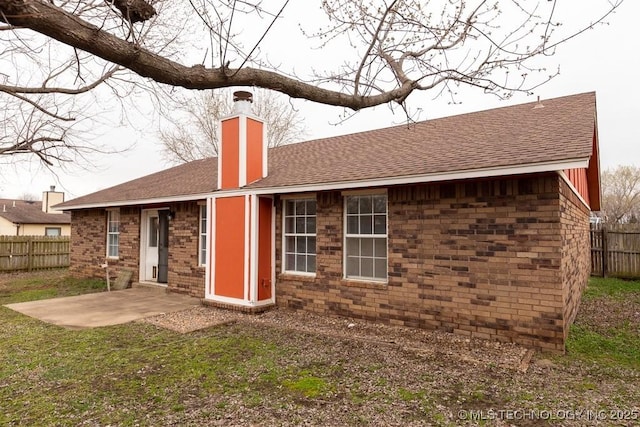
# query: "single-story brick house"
475,224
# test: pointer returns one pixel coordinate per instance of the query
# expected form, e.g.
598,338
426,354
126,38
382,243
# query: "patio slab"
105,308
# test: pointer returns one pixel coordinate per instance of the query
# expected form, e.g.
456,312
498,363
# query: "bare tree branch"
192,123
394,48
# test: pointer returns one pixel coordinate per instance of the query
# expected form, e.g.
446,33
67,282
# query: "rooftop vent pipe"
242,101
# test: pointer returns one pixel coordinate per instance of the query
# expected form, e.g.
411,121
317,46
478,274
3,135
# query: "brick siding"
504,259
576,251
88,246
481,258
89,242
185,274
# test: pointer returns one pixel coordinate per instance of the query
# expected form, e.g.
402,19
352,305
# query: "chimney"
242,157
51,198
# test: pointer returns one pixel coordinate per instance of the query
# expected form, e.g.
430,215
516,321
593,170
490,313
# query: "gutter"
552,166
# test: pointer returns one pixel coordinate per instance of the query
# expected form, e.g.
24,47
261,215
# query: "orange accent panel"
254,150
229,247
265,213
230,149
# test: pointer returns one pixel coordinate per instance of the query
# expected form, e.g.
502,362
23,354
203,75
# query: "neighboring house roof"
554,134
30,212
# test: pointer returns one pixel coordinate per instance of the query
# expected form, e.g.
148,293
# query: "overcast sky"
605,60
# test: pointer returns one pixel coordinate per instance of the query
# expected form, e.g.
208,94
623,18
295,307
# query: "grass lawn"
245,374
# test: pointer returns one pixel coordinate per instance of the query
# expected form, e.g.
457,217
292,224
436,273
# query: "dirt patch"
421,342
604,315
7,279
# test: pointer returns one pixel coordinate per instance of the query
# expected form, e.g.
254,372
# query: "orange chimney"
242,158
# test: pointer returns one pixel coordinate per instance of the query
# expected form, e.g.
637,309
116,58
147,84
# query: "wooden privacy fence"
27,253
615,252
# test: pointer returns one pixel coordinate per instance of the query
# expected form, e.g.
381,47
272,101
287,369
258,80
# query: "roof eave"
133,202
552,166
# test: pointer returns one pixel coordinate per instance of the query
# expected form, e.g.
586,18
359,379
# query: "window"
113,233
153,232
202,245
300,235
52,231
366,237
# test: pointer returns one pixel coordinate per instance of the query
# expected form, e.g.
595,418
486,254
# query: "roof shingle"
561,130
29,212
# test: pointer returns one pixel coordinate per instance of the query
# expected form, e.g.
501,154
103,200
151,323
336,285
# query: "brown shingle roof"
562,130
28,212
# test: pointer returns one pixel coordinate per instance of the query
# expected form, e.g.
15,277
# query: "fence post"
29,257
604,252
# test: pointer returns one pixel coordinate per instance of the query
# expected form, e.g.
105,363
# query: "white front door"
149,241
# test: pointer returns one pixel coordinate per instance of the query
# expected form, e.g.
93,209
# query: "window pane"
366,205
290,244
203,218
311,207
113,245
301,245
52,231
366,224
311,264
353,266
352,225
380,248
153,232
288,225
311,245
301,263
300,230
290,262
289,207
301,207
381,268
352,205
366,247
380,224
353,247
311,225
380,204
366,267
366,257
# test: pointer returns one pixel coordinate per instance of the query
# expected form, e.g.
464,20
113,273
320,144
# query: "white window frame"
110,213
372,235
202,233
285,267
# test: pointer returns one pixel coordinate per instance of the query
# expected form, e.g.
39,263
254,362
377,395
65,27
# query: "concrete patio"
105,308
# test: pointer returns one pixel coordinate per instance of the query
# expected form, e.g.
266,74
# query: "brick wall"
185,274
576,251
88,246
482,258
89,242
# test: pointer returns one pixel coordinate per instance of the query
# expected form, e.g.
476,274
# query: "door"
150,239
163,246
